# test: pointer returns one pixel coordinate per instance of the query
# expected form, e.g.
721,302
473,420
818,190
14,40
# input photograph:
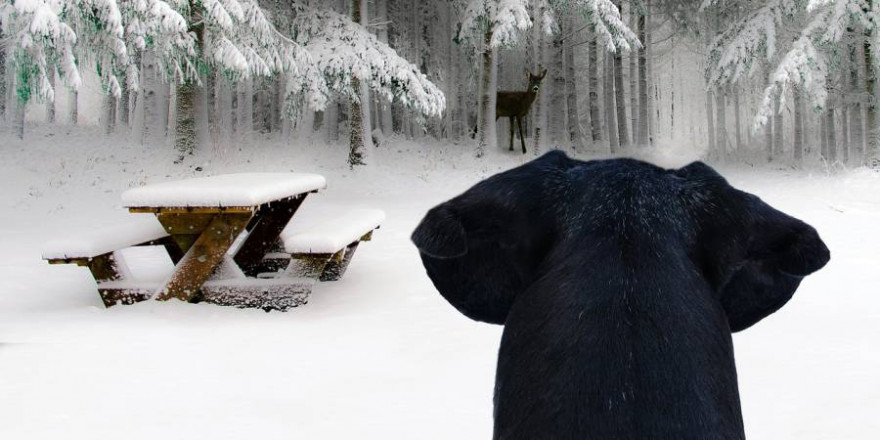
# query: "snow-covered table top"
245,189
333,235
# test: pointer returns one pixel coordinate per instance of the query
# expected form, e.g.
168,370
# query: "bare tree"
610,108
643,79
593,72
798,145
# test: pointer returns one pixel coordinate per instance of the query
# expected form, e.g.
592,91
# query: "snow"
102,239
378,354
333,235
242,189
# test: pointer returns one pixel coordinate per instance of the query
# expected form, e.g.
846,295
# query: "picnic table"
219,231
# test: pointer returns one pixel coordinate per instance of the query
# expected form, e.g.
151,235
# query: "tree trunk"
620,101
710,119
620,98
149,98
124,110
541,101
832,135
486,139
356,153
610,115
50,103
3,80
643,82
593,69
358,115
575,137
556,113
108,115
872,153
737,122
74,107
185,135
798,146
245,110
185,127
633,78
653,113
18,117
823,133
721,138
855,87
778,146
224,124
844,133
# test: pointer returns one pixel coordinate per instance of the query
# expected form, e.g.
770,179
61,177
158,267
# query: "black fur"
619,284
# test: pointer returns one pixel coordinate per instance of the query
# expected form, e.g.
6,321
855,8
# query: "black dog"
619,284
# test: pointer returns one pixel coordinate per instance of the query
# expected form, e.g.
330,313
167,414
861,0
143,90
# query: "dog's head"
485,247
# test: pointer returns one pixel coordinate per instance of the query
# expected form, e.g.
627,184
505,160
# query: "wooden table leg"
265,228
203,256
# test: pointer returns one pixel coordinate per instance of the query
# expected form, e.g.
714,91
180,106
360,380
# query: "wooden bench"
324,251
99,251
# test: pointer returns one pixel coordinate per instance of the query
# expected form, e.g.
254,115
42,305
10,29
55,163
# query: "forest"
787,81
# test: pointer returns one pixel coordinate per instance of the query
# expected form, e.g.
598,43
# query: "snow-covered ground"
379,354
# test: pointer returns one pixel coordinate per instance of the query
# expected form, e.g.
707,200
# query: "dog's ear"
780,251
784,242
484,247
441,234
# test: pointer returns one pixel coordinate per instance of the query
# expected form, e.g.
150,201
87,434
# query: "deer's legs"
521,137
511,133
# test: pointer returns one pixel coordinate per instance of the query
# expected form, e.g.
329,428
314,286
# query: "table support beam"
265,228
203,256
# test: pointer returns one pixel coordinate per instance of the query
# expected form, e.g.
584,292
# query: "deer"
515,105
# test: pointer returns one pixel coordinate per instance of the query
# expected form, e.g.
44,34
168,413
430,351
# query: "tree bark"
831,156
3,97
872,153
798,146
633,78
778,146
721,138
593,72
50,103
245,109
74,107
486,139
844,133
18,117
823,133
575,137
556,113
620,95
620,100
538,138
610,108
108,113
643,81
185,135
124,110
358,115
856,88
710,119
737,122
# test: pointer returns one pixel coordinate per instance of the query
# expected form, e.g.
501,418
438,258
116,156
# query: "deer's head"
535,81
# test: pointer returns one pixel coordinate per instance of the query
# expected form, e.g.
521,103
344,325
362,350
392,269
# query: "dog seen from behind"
619,284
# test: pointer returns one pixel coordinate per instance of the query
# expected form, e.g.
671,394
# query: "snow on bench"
325,250
98,249
334,235
133,231
244,189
